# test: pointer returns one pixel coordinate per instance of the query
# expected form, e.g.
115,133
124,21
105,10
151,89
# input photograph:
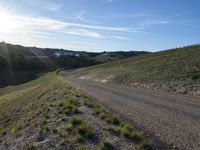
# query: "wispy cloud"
107,28
155,22
119,37
43,31
80,15
143,14
25,22
181,13
17,22
85,33
164,20
42,27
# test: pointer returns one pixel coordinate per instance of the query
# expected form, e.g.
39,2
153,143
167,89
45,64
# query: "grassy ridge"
181,64
39,110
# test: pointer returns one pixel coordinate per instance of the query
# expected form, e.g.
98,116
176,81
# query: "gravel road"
170,119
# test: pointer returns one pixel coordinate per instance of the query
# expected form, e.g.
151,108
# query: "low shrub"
81,127
106,145
82,147
114,119
15,129
85,131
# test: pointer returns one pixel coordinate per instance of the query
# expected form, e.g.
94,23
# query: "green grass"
90,103
15,129
144,145
81,127
62,141
102,113
2,131
125,130
82,147
114,119
76,121
181,65
114,124
43,124
22,104
34,105
68,106
106,145
85,131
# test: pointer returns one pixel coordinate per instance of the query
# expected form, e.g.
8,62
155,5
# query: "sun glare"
7,22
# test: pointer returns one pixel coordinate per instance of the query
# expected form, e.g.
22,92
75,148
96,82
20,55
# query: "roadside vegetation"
49,113
115,125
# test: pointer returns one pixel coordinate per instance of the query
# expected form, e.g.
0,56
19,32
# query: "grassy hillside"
47,113
17,58
181,65
19,64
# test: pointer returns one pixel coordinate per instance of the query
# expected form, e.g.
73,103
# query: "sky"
101,25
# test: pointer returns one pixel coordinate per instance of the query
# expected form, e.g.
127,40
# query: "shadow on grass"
18,77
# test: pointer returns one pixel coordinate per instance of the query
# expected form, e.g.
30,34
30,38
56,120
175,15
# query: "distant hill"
16,57
170,70
19,63
111,56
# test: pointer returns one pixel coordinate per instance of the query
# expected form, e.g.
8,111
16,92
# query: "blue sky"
99,25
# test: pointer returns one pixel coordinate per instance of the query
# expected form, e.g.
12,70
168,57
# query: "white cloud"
17,22
120,37
43,32
85,33
106,28
26,23
153,22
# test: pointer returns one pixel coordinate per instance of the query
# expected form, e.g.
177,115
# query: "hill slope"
111,56
16,57
172,70
19,64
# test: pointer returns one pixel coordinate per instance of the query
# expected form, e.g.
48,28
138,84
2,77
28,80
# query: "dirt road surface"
170,120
